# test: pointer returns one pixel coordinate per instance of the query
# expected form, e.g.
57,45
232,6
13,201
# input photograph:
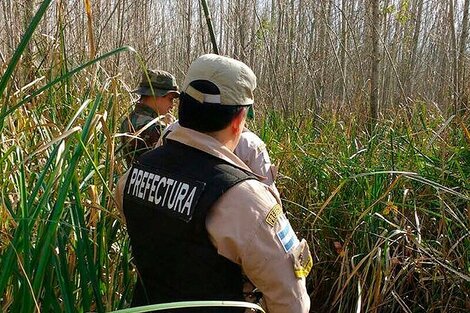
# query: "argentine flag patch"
286,235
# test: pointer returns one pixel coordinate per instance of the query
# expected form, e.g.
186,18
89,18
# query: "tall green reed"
386,213
64,245
60,251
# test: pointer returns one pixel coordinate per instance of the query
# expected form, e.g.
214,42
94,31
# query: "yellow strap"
303,271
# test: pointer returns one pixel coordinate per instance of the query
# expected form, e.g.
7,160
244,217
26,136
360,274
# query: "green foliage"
18,52
386,214
60,246
265,27
403,14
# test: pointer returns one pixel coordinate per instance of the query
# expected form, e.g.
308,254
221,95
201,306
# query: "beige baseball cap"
235,80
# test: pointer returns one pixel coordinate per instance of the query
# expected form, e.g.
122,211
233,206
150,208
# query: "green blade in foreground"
191,304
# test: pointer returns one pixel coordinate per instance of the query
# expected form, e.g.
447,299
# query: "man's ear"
237,122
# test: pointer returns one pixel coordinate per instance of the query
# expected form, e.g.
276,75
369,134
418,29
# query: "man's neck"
226,138
151,107
146,108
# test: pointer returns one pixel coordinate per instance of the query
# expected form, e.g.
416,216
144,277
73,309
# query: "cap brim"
146,91
251,112
173,91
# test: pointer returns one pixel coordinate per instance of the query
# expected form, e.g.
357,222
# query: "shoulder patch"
274,214
286,235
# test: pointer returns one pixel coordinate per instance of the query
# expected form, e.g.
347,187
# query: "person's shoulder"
174,125
140,119
253,194
125,124
171,127
135,119
249,142
251,138
252,185
245,206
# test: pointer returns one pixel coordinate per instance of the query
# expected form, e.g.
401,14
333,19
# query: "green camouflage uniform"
137,119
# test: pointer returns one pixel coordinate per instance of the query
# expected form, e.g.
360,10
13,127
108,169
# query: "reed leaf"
192,304
44,246
19,51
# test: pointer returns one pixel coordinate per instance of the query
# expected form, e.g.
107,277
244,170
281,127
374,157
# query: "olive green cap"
157,83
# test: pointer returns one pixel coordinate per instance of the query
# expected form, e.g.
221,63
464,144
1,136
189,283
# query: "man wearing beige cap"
150,115
198,218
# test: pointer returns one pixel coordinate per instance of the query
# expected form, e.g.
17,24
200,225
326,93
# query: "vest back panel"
167,197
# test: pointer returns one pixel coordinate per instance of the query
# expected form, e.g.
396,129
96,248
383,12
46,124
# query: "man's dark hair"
205,117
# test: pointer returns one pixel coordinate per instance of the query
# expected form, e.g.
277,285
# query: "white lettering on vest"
152,190
189,201
137,182
161,182
142,185
182,193
133,176
172,198
169,184
178,195
147,184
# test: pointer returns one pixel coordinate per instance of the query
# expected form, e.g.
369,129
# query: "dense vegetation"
385,209
387,213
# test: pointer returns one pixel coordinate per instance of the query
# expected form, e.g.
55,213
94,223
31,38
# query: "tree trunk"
453,41
461,56
375,59
344,47
414,50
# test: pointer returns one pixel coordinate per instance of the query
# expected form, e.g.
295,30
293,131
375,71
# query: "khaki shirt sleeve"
119,194
239,229
252,150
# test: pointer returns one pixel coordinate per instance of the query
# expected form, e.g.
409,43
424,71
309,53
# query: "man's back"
166,202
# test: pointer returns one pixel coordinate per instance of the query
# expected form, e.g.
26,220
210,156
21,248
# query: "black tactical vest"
167,197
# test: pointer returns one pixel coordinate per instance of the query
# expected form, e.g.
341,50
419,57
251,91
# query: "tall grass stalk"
193,304
55,251
387,214
18,52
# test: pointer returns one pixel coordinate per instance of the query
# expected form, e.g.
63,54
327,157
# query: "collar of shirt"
141,108
207,144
